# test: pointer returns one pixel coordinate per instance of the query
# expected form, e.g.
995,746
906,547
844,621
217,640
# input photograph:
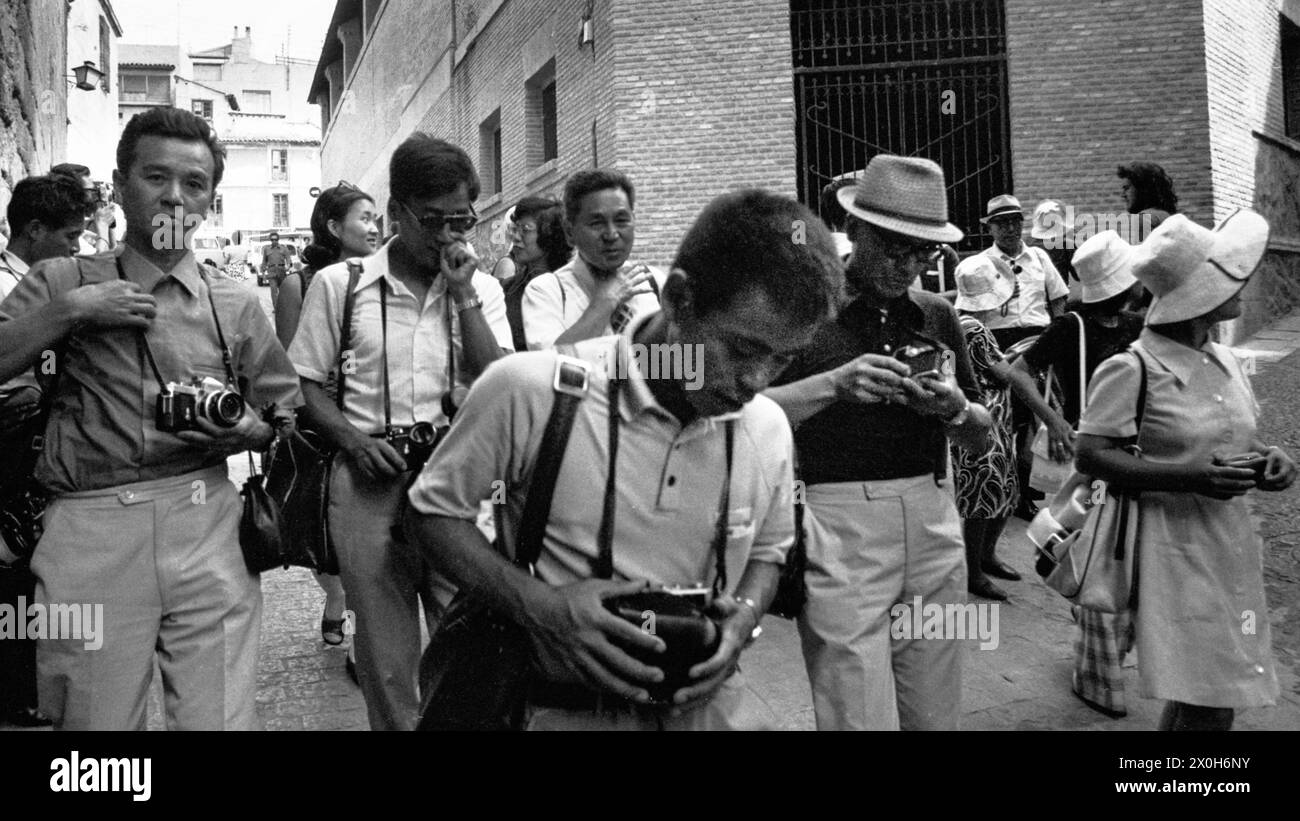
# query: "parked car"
211,249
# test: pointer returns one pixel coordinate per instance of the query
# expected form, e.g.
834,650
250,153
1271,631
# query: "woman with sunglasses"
343,225
539,247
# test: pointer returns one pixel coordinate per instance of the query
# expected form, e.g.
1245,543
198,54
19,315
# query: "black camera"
182,404
678,616
416,443
922,358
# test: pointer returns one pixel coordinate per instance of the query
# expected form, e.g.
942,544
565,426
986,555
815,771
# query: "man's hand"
933,396
1279,470
458,265
870,378
250,433
629,281
576,639
374,457
113,304
737,625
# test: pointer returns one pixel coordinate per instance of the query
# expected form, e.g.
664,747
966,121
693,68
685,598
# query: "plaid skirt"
1100,645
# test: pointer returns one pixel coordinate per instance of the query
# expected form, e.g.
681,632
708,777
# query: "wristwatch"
472,302
960,416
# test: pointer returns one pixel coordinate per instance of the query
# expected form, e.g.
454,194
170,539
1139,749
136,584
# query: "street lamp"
88,76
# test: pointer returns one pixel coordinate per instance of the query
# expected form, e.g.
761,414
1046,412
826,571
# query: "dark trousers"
17,657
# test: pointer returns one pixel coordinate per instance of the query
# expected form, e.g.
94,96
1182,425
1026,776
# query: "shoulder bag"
1093,566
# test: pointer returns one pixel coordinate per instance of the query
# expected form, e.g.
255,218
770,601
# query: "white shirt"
553,302
12,269
417,341
1038,283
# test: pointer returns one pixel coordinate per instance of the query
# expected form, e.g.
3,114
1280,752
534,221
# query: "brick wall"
705,104
33,91
1097,83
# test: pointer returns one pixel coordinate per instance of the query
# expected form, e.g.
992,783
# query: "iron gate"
922,78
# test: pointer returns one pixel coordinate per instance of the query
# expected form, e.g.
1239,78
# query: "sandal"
331,631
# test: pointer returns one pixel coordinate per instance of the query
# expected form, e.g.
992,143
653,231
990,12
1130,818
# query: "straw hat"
1104,263
906,195
1003,205
1193,270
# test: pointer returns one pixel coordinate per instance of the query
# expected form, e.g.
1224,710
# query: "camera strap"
604,566
221,338
383,330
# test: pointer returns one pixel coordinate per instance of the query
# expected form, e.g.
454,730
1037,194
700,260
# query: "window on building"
209,72
1291,77
280,210
541,114
203,108
255,101
105,63
279,164
489,153
215,218
145,88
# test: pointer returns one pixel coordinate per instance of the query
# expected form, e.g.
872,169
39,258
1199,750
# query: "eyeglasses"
899,247
347,185
434,222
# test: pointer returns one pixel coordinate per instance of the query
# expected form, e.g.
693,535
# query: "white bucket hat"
1193,270
982,285
1104,263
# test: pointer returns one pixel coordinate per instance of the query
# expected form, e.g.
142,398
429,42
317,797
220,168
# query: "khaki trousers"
872,545
163,559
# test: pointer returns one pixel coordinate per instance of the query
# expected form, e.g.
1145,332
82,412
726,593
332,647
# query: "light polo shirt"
554,302
102,432
1038,284
12,270
669,475
419,338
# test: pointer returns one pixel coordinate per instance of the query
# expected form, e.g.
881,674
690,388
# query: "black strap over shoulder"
345,334
570,384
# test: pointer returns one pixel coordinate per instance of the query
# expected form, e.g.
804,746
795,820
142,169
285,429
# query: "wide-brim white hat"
906,195
1050,220
1104,263
981,284
1192,270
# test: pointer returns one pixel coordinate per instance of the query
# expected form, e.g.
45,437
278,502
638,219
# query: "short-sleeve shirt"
101,431
554,302
669,476
1058,348
858,442
276,258
420,338
12,270
1037,284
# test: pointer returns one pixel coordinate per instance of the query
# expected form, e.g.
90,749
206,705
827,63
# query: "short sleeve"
543,312
775,534
494,309
983,348
272,379
315,347
1112,398
1056,287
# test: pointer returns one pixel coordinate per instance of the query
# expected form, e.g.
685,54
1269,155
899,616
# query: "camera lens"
224,408
423,434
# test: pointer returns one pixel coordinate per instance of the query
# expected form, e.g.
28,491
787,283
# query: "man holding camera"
873,402
691,471
425,323
143,520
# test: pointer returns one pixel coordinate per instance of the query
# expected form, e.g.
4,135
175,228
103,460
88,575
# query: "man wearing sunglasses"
425,324
1038,297
871,440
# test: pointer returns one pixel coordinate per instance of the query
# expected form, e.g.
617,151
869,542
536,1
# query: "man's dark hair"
832,213
1153,187
754,238
177,124
426,167
71,169
595,179
54,200
550,229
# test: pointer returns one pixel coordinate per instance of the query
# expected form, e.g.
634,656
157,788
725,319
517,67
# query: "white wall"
92,115
247,187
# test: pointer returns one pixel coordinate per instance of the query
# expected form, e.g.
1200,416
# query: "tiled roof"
142,56
269,128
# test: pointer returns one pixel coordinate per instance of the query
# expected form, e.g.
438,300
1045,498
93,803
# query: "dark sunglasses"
434,222
898,246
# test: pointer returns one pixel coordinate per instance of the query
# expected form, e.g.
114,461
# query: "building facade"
259,109
1034,97
93,34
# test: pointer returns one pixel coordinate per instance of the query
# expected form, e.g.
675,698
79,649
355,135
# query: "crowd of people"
830,377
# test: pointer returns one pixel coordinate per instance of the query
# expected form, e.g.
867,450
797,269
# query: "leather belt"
563,696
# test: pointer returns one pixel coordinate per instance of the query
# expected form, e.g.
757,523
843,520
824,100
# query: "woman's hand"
1060,440
1279,470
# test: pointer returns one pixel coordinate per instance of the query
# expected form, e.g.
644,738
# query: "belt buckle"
566,380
